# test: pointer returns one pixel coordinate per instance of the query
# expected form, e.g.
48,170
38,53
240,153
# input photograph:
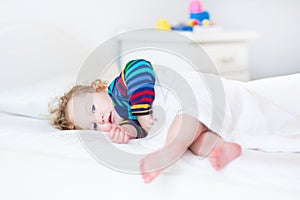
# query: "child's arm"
140,81
146,121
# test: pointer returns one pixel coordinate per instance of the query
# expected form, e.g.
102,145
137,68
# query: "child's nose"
100,119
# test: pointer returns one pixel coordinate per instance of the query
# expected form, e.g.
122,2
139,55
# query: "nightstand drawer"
227,49
228,57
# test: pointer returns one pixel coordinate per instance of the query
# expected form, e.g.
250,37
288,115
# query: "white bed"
40,162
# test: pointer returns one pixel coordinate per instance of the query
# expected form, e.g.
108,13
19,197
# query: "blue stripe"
122,112
139,76
131,63
139,88
141,72
142,84
111,87
131,66
117,102
120,88
140,79
118,94
132,116
134,65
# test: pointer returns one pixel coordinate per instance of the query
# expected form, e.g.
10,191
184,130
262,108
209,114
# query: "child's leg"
180,137
219,152
204,144
195,136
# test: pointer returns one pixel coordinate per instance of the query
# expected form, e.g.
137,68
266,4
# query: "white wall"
25,58
277,22
93,21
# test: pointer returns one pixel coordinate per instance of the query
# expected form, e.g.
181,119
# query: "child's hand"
118,135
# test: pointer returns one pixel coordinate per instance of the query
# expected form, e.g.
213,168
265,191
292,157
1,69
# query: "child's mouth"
110,118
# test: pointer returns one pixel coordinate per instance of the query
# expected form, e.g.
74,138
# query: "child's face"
92,111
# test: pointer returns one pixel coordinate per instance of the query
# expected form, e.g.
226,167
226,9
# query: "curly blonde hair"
58,107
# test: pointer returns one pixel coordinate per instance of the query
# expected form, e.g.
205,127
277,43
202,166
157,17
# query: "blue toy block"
200,16
182,28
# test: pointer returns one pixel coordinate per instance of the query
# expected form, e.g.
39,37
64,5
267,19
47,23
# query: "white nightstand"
227,50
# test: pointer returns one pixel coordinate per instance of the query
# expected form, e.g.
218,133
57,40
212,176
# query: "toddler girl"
123,109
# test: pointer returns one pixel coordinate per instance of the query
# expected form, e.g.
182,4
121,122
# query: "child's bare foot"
223,153
147,176
152,164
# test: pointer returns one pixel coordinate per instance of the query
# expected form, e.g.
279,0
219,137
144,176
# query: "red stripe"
121,90
145,99
122,82
141,93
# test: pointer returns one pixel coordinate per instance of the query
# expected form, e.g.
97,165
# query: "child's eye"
93,108
95,126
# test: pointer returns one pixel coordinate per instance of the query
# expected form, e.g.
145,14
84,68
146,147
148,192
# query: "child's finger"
116,135
126,138
121,136
111,133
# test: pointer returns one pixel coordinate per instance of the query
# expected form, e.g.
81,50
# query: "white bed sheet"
269,173
257,168
34,176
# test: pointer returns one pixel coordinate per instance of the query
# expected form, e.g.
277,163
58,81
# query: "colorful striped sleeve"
139,78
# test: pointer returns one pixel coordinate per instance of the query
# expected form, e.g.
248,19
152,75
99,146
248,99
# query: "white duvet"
261,115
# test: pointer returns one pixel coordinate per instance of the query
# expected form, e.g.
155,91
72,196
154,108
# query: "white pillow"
32,100
32,52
